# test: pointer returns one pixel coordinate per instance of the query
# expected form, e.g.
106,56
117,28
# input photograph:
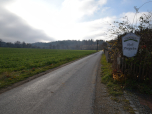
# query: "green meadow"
16,64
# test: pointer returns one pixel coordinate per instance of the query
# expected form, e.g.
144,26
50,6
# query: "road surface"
67,90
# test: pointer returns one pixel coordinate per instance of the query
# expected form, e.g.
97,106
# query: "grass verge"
114,88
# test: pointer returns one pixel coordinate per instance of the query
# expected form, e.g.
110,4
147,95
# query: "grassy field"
17,64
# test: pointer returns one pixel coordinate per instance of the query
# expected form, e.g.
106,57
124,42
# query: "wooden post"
123,64
134,66
143,69
139,79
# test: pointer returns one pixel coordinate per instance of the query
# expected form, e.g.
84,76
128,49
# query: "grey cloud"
2,2
13,28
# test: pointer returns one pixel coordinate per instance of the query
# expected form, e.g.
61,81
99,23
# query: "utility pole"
97,45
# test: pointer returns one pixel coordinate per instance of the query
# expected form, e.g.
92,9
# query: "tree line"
65,44
16,44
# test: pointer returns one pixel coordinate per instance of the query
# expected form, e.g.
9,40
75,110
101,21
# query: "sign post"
130,43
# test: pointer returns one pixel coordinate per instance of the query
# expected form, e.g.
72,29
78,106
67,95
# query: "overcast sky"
52,20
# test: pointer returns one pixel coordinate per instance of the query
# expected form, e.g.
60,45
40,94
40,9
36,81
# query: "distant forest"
66,44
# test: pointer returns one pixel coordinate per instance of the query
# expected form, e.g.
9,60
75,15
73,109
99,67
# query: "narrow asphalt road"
67,90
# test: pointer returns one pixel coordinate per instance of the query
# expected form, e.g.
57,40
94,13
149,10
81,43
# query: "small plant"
33,69
115,99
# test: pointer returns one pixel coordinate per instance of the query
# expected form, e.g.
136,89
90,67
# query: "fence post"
143,69
139,73
134,70
122,65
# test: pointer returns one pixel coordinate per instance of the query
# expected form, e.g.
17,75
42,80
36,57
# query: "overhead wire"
137,9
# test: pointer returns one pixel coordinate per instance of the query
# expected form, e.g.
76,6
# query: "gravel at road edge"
103,103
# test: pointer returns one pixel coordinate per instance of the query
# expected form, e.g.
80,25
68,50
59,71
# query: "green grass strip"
106,77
